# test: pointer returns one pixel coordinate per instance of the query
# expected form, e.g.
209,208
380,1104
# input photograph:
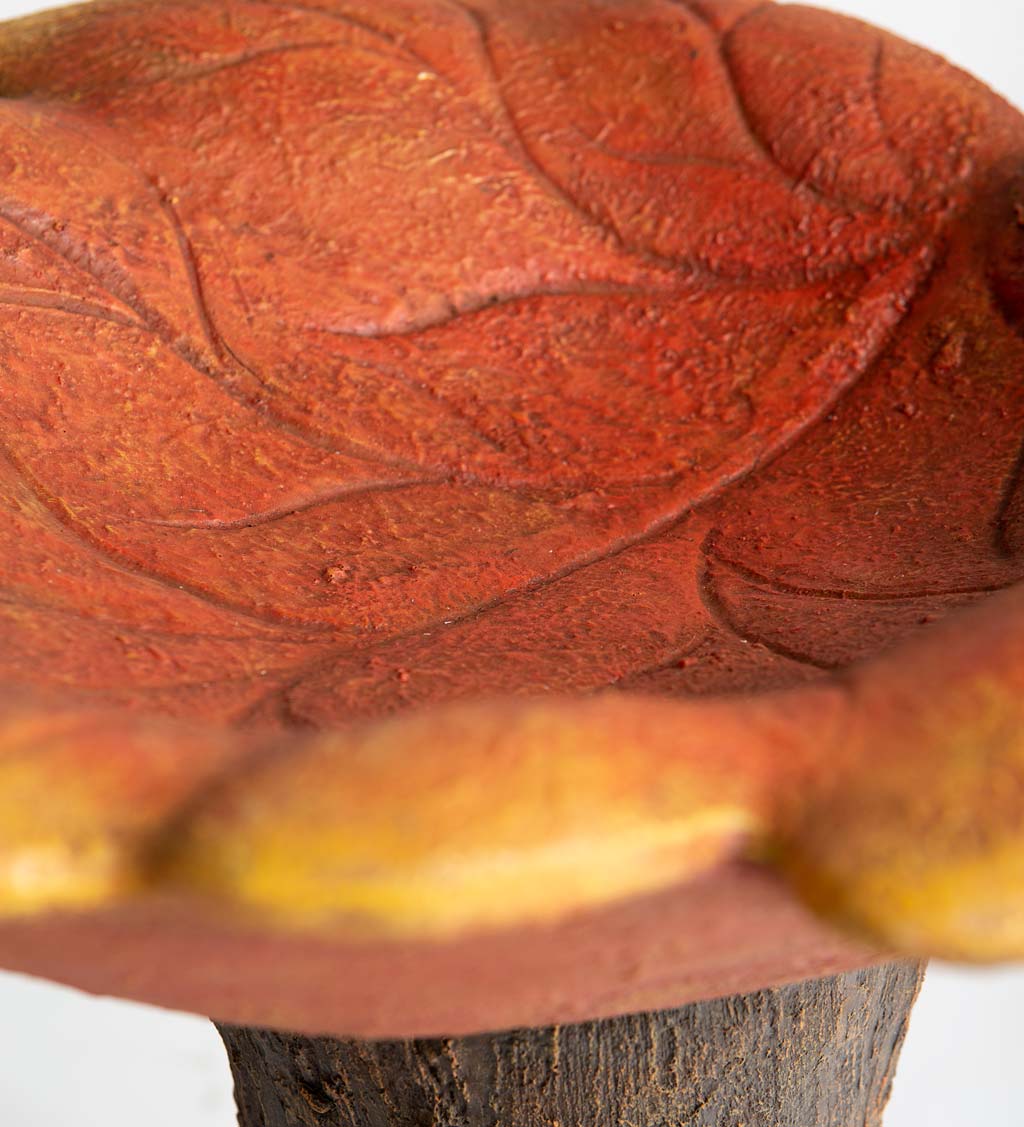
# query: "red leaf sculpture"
365,363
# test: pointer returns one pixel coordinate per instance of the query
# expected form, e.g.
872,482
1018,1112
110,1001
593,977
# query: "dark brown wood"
818,1054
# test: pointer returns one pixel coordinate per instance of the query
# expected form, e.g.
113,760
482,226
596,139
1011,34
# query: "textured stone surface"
368,362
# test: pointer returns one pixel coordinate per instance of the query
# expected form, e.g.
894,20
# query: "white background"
69,1059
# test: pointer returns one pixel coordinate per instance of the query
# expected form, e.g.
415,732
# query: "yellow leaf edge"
891,797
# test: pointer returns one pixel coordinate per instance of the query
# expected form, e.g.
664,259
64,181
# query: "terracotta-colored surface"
374,370
629,957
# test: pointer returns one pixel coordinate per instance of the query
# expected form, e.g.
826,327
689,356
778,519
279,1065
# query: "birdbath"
511,533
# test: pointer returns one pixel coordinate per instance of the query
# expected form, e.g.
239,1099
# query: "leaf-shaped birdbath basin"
505,505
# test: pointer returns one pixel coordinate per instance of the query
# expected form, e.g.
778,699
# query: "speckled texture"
368,363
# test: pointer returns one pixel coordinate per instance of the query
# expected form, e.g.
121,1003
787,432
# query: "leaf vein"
356,23
854,594
657,527
52,301
720,614
761,143
272,516
71,529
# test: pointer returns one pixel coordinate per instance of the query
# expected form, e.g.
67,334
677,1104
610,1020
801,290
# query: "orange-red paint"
462,466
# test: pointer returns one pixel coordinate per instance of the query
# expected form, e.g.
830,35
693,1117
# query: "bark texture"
818,1054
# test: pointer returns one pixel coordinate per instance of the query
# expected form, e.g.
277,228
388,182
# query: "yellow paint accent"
59,846
81,795
894,804
971,910
445,894
52,875
465,820
919,845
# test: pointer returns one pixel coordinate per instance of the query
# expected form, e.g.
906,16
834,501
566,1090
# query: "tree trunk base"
818,1054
